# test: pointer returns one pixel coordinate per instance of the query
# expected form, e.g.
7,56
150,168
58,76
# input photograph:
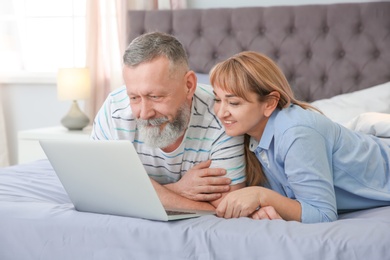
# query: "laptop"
108,177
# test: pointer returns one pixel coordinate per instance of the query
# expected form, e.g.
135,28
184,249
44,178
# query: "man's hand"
202,183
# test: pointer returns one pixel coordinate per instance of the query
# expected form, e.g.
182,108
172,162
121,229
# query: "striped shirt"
204,139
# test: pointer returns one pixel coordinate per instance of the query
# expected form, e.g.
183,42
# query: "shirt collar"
267,136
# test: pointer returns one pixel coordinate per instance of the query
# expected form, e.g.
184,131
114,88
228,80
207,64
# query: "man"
191,161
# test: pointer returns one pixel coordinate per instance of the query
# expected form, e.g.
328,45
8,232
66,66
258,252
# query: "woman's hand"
240,203
267,212
258,203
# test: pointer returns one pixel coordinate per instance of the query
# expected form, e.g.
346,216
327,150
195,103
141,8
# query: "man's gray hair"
150,46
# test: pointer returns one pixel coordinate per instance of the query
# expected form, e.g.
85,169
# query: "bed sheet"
38,221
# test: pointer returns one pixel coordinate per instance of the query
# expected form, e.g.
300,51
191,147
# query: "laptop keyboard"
176,212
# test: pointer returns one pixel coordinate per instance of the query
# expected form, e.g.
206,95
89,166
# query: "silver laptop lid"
104,177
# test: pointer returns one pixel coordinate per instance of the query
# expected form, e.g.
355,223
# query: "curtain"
104,45
4,160
178,4
106,42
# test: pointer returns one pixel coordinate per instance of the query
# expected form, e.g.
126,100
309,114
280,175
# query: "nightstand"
29,148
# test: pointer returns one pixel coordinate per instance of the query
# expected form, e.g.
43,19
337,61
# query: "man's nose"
146,110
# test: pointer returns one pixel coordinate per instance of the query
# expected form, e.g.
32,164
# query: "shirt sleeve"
308,167
228,153
101,129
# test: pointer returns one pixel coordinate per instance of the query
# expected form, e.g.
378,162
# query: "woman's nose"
222,111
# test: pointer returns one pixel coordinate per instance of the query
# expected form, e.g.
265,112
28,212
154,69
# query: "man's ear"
191,82
271,103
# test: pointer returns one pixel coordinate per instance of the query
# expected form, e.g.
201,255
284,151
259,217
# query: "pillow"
373,123
345,107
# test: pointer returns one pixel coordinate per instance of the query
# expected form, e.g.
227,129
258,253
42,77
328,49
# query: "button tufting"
262,30
357,78
359,28
276,55
326,29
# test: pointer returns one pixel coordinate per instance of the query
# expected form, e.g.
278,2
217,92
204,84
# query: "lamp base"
75,119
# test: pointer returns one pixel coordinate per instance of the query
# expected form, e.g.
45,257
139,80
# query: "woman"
301,165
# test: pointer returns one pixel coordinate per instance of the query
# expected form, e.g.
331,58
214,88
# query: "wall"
29,106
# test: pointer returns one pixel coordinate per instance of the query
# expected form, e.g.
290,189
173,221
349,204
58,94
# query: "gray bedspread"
38,221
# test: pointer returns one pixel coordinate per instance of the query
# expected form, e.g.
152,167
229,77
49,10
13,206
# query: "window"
40,36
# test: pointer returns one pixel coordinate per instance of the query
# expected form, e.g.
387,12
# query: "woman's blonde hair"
252,72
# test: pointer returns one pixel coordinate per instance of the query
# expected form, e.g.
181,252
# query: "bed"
336,56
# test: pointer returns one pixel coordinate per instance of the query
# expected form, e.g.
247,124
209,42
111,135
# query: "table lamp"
74,84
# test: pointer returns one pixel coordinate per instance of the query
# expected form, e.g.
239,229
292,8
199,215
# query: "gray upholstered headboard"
324,50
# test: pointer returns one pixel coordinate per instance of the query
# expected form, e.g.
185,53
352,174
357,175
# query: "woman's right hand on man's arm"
267,212
240,203
258,202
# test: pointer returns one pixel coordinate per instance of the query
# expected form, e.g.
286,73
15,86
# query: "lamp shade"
73,83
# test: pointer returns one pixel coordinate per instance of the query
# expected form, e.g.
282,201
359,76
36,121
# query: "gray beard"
150,133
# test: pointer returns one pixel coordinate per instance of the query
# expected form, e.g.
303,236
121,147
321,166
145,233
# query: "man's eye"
133,99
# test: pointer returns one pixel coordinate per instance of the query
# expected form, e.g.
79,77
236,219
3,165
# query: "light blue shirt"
323,165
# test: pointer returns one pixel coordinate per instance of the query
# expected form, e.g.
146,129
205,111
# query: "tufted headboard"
324,50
